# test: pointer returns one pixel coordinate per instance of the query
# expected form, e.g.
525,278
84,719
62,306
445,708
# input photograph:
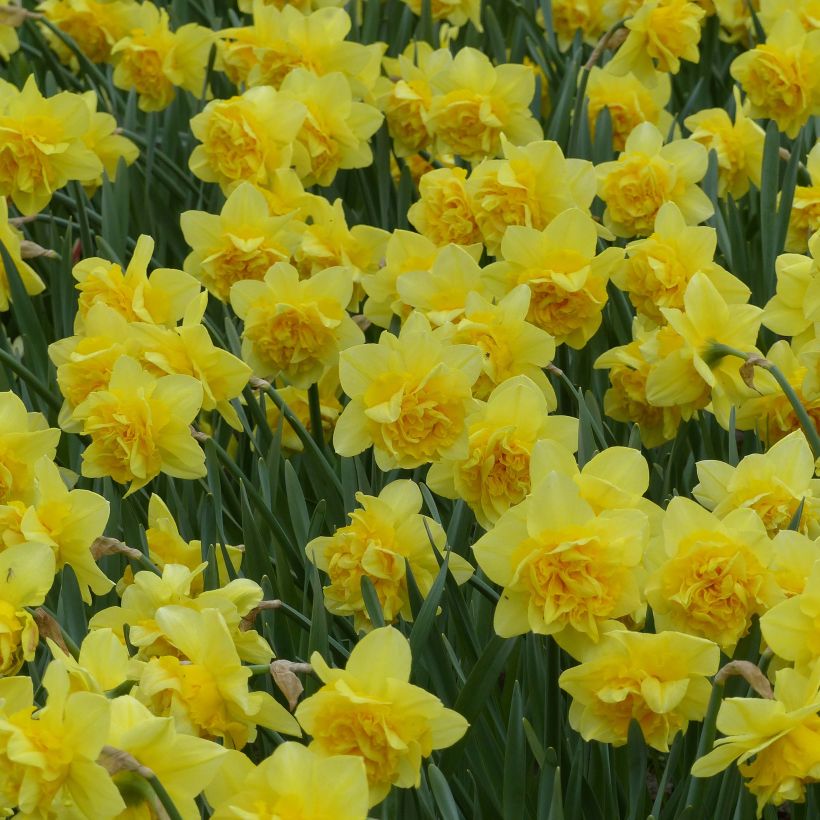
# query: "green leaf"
515,760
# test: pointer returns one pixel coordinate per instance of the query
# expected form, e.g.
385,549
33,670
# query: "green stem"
717,351
315,405
164,798
15,365
705,744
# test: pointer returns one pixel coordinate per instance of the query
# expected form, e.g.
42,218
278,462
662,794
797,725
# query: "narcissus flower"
502,434
409,397
329,241
780,76
661,34
384,535
206,692
475,102
629,100
239,243
184,765
714,575
563,567
441,292
295,328
649,173
26,576
795,307
443,212
774,484
794,556
517,190
336,130
293,781
805,216
570,16
738,144
659,268
283,39
180,586
566,278
140,427
707,318
48,756
67,521
511,346
369,709
455,12
11,239
42,145
24,439
188,350
94,25
776,743
160,298
792,628
155,61
248,137
660,681
406,100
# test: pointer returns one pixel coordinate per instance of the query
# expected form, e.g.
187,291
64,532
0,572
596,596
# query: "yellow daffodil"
455,12
294,781
295,328
805,216
502,434
48,756
780,76
369,709
649,173
26,576
207,691
511,345
155,61
475,103
659,268
660,681
384,535
24,439
42,145
140,426
444,212
774,484
517,190
409,397
247,137
239,243
160,298
776,742
12,239
563,567
714,575
738,145
565,274
629,102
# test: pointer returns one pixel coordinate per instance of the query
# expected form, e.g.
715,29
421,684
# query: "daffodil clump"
410,409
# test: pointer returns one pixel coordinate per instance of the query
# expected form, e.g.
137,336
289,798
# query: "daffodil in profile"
371,710
775,742
206,690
